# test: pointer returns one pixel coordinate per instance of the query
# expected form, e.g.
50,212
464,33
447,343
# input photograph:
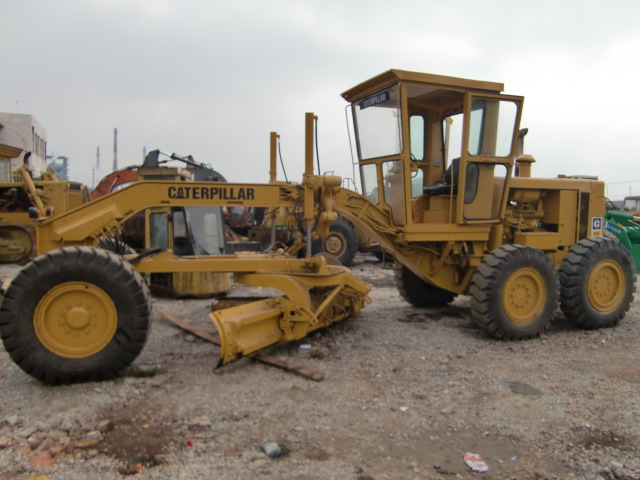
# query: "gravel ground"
406,394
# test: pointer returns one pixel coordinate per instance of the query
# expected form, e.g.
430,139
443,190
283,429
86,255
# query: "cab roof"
442,82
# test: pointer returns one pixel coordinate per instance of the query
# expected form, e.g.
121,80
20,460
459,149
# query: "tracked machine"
443,190
22,201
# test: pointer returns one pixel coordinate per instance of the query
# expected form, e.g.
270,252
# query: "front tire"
420,293
341,242
75,314
597,283
514,292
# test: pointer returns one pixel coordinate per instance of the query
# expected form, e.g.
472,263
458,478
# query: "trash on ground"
272,449
475,462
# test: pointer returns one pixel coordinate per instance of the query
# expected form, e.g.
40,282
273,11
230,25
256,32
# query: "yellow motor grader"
443,190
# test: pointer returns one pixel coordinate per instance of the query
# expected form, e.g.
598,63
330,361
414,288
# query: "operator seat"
451,176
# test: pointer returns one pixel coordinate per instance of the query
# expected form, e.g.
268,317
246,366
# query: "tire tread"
86,264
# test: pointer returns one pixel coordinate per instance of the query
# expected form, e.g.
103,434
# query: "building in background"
23,132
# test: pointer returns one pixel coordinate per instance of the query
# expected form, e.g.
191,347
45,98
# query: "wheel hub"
79,318
75,320
605,286
334,244
523,296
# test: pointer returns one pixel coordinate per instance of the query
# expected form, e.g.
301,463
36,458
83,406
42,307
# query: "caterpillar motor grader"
442,190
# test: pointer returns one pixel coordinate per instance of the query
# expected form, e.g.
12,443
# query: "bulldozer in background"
459,211
23,201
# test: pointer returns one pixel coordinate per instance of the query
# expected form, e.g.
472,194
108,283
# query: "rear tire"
382,255
514,292
75,314
597,283
341,242
420,293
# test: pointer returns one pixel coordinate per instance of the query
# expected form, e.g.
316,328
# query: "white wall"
24,131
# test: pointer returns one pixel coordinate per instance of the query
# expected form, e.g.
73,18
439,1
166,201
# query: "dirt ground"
406,393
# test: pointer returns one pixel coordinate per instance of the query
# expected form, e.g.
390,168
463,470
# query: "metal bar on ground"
307,372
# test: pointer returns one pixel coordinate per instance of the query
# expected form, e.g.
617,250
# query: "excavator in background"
238,220
196,230
115,180
246,228
461,217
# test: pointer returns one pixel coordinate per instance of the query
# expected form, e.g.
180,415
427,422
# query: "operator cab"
435,149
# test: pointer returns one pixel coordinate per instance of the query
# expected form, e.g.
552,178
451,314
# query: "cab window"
416,134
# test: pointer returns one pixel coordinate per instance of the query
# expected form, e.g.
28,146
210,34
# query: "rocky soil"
406,393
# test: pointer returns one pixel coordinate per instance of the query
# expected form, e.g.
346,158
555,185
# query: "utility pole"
115,149
96,166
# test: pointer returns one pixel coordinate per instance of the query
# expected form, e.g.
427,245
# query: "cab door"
490,133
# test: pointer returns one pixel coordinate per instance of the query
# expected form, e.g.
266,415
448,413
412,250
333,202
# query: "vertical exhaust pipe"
308,173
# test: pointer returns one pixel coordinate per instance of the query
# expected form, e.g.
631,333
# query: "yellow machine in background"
197,230
443,190
632,204
22,201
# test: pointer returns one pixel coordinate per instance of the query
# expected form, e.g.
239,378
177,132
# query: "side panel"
561,214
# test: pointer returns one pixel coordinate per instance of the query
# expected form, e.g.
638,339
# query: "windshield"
377,120
632,204
207,229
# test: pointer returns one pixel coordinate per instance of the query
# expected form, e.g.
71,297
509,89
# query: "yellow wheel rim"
605,286
524,296
75,320
335,244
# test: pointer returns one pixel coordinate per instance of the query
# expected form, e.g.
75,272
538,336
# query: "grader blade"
311,302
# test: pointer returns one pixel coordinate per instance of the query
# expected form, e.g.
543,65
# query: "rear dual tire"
515,289
597,283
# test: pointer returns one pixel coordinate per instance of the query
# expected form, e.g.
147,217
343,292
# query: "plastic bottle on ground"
272,449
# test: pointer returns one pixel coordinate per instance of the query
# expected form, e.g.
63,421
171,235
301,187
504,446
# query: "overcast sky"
212,79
